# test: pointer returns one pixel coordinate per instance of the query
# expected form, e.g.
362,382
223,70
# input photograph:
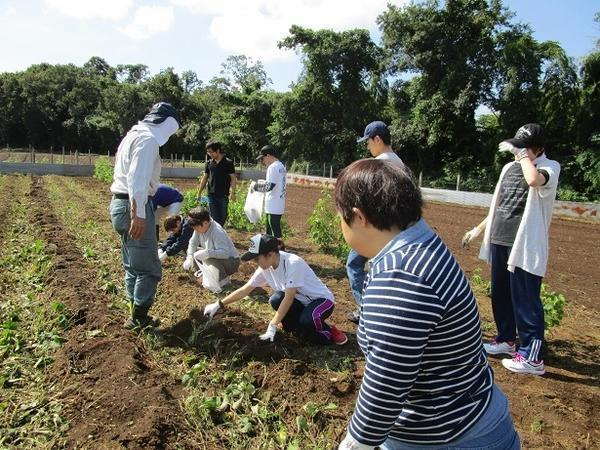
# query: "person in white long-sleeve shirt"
210,245
135,180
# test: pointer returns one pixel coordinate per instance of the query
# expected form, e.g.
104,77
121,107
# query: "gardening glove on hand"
211,309
162,255
201,255
508,147
349,443
470,235
270,334
188,263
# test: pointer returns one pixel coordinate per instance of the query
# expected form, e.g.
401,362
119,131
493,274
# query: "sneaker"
337,336
354,316
500,348
521,365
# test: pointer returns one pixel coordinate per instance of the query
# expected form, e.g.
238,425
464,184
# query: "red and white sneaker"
500,348
338,337
521,365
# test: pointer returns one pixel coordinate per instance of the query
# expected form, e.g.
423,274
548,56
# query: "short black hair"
214,146
198,216
385,193
385,136
171,222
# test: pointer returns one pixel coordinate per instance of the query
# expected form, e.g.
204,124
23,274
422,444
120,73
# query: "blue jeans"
493,431
308,320
140,257
355,268
517,305
217,206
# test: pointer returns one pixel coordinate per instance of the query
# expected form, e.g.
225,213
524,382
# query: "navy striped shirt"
426,377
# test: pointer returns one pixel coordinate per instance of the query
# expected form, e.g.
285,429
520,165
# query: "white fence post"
458,182
420,179
330,171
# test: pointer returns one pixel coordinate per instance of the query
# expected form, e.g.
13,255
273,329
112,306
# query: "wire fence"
75,157
325,170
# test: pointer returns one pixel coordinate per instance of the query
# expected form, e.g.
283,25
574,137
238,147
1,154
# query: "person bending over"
301,301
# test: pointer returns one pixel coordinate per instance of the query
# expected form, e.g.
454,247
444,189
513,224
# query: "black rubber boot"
140,319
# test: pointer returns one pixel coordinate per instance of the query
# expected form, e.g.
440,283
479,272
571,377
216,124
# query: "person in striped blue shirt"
427,383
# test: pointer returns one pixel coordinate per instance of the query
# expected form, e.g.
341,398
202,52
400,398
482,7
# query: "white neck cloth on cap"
160,131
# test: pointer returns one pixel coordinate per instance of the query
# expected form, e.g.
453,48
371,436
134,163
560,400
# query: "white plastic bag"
210,278
253,207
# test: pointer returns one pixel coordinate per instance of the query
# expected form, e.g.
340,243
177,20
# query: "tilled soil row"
113,395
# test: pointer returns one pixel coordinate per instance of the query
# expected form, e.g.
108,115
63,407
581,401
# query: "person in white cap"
301,301
135,180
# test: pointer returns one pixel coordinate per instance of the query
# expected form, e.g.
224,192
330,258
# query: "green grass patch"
31,330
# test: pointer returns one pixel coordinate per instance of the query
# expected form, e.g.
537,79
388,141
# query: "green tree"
334,98
451,53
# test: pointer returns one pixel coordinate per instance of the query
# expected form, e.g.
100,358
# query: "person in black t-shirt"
219,174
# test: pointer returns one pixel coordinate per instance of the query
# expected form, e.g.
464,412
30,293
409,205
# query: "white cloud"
253,27
148,21
92,9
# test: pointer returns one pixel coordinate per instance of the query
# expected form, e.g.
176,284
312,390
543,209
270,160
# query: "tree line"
452,79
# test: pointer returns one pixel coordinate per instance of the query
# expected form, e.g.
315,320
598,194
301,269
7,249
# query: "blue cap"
376,128
159,113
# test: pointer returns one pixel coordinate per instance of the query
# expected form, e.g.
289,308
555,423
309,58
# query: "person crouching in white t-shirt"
301,301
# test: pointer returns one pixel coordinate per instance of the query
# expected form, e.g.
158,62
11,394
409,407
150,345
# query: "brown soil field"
116,395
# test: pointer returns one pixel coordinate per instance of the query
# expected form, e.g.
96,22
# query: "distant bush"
235,212
190,201
103,169
325,229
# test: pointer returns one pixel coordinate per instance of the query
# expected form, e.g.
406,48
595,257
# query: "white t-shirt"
275,198
292,272
391,157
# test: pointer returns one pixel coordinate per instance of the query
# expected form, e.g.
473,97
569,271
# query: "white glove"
162,256
201,255
211,309
270,334
349,443
470,235
508,147
188,263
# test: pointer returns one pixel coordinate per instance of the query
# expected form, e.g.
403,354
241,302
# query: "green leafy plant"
325,230
103,170
190,201
477,280
554,305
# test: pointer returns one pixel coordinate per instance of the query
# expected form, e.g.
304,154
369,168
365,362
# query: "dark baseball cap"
261,244
529,135
377,128
159,113
268,150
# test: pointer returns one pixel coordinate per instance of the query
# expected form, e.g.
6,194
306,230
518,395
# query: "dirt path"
114,395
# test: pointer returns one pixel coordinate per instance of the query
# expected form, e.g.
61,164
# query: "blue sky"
198,35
